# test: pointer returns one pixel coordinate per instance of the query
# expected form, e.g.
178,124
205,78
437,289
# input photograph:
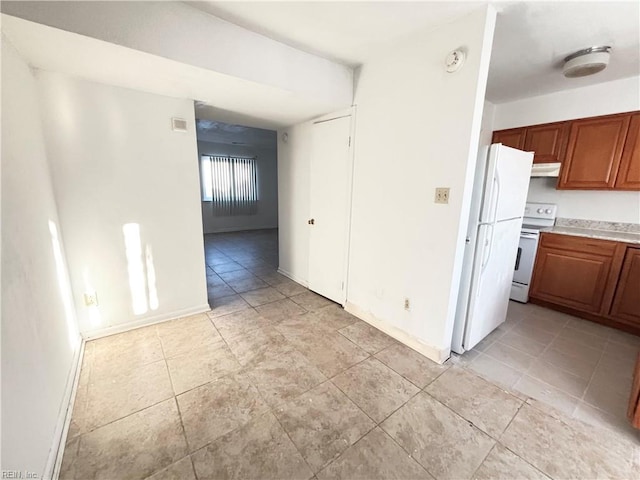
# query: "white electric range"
536,217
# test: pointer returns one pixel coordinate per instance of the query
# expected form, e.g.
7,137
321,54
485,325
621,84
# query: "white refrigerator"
497,207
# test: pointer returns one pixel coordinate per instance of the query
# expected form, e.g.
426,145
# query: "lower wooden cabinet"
626,302
594,279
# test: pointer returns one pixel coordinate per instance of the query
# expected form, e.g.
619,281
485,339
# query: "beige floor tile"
441,441
591,328
133,447
124,351
289,288
501,464
181,470
272,277
333,317
110,397
416,368
69,460
582,337
547,393
311,301
495,371
259,450
614,401
565,359
522,343
322,423
488,407
509,356
625,338
561,379
561,451
280,310
227,305
239,323
367,337
220,291
183,335
531,330
375,457
213,409
262,296
241,274
330,352
548,320
258,345
201,365
623,352
620,426
242,285
227,267
301,325
375,388
284,377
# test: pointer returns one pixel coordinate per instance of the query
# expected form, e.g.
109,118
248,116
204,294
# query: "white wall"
267,166
602,99
417,128
115,161
294,164
39,329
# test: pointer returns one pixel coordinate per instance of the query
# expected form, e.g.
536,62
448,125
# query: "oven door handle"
518,258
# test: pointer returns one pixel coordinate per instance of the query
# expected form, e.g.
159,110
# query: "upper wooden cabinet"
597,153
594,152
514,137
629,172
548,142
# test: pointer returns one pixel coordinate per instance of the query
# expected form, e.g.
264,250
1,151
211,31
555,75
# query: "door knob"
311,222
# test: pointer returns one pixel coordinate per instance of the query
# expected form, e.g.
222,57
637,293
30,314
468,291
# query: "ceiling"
531,38
219,132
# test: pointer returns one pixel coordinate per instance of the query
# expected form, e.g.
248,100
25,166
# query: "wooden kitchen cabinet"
593,153
572,272
548,142
629,172
626,302
514,137
590,278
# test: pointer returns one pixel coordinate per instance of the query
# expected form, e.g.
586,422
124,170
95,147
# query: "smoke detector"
586,62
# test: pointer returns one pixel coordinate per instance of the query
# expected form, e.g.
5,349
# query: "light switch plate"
442,195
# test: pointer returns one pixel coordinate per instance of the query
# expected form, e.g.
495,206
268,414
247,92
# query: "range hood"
545,169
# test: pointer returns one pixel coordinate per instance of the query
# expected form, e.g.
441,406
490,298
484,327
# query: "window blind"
230,184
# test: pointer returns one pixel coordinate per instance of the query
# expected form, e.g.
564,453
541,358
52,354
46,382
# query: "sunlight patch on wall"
142,274
65,287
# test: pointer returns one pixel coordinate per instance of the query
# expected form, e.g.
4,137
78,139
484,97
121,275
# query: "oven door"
526,257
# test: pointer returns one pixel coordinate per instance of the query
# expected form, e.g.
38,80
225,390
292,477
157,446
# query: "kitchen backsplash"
598,225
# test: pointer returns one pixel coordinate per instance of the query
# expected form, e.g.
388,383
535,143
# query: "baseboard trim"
54,462
433,353
293,277
144,322
240,229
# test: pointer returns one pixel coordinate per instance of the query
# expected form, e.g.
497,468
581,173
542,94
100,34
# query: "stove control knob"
548,211
540,210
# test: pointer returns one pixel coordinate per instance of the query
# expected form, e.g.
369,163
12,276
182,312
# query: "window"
230,184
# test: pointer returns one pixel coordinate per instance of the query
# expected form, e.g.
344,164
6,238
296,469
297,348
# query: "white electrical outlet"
91,299
407,304
442,195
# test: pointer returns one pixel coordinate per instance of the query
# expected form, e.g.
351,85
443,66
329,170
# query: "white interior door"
330,207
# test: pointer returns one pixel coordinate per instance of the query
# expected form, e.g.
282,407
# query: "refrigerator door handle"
485,259
494,212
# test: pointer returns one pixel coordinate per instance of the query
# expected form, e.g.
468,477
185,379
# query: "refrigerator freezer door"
507,183
492,276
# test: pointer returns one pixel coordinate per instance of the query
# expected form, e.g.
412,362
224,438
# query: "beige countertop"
612,235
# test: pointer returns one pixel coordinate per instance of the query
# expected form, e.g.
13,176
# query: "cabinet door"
514,137
548,142
593,152
573,279
629,172
626,302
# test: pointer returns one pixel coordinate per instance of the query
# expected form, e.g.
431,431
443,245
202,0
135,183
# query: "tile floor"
277,382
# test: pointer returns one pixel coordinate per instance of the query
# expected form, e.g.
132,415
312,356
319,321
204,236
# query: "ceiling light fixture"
586,62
